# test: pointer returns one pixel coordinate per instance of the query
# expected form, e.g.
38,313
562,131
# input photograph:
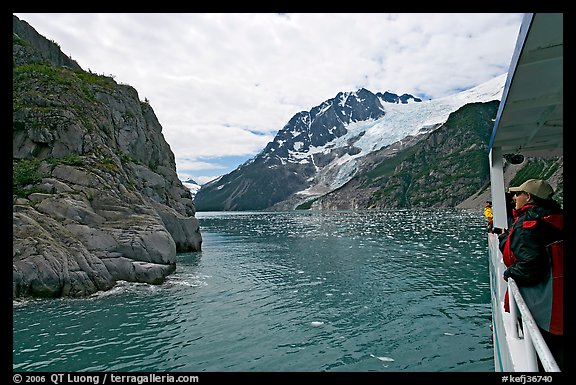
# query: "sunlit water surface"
362,291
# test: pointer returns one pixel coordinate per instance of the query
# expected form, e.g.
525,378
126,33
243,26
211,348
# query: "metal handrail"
534,340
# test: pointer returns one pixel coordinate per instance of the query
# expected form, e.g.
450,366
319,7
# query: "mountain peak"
389,97
192,186
318,151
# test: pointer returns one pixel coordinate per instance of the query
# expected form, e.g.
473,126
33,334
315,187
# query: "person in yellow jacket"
488,214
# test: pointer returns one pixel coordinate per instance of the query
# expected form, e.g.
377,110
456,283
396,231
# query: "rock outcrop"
96,197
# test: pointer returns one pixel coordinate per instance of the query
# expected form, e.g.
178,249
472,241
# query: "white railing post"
513,311
531,355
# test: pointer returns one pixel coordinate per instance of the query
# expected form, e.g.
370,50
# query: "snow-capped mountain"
192,186
318,151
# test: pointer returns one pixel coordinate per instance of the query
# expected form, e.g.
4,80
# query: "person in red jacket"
532,251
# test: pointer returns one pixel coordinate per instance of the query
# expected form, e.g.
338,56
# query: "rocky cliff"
96,197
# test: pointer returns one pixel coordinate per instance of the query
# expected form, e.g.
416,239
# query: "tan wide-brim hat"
536,187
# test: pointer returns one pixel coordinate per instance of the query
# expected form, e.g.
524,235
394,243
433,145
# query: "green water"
354,291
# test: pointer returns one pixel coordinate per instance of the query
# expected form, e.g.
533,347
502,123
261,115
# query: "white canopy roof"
530,117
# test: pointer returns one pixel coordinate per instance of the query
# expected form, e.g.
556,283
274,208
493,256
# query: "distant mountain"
319,151
192,186
436,169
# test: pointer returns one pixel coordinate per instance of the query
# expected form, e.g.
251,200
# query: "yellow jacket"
488,213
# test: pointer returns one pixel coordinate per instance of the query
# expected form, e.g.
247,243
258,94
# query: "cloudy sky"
222,85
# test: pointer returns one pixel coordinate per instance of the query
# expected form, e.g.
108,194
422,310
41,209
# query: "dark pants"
556,345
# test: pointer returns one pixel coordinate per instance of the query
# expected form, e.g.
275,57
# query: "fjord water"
306,291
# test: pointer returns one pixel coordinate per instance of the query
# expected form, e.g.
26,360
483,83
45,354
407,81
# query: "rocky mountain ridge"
96,197
323,152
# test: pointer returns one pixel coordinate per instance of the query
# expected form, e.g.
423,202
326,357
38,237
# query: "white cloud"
223,84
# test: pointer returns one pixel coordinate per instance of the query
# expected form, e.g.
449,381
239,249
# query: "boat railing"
518,342
535,345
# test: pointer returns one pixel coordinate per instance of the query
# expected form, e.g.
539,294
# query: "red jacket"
533,252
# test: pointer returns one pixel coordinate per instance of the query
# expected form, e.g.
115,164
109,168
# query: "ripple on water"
286,291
